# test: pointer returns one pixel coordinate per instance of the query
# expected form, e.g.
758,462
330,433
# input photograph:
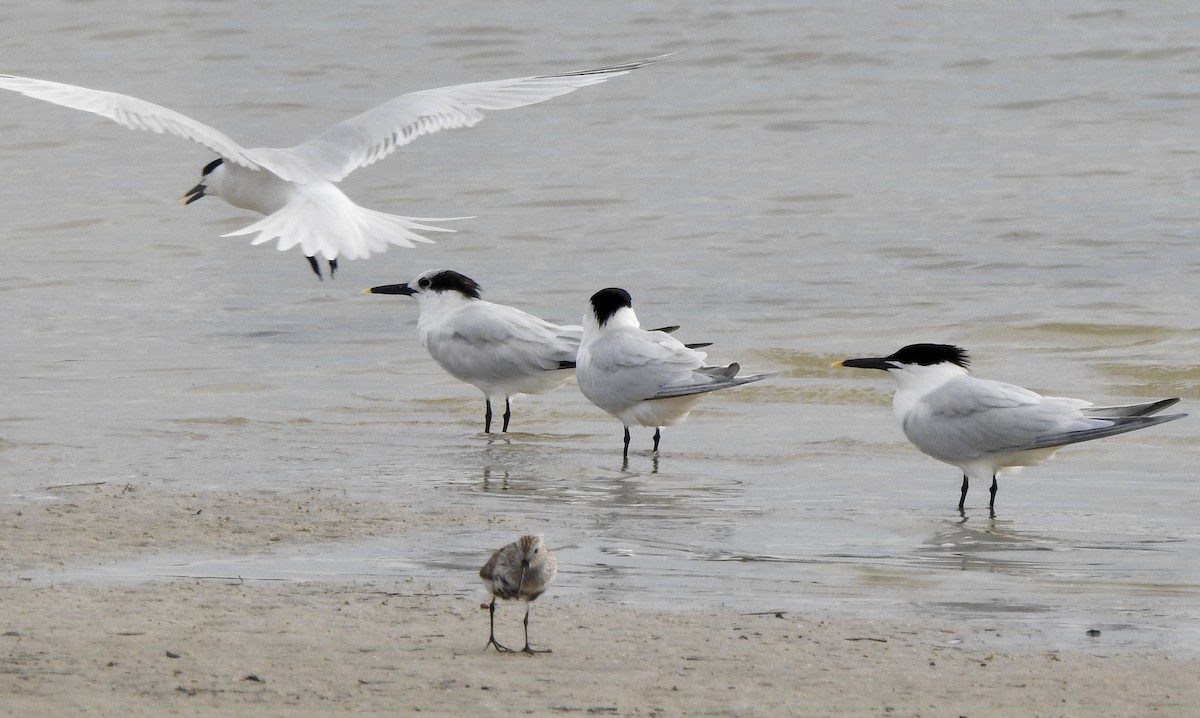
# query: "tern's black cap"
929,354
608,302
913,355
448,280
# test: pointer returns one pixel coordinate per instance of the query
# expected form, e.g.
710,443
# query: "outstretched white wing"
346,146
131,112
320,219
376,133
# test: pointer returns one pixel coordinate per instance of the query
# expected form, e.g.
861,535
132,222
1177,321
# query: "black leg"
527,649
507,413
993,490
487,417
312,262
657,436
963,499
626,454
332,267
492,634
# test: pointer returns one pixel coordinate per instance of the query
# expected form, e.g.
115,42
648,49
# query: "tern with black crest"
642,377
296,187
499,349
983,426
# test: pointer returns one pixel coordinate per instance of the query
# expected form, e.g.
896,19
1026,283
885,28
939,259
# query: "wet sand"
229,646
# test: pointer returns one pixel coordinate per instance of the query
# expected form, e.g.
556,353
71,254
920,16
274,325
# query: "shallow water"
803,183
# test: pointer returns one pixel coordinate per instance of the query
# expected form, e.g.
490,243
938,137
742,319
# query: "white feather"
295,186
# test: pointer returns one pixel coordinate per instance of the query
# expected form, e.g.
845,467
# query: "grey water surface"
804,182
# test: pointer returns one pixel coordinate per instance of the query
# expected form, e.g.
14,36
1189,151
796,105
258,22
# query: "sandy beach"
235,646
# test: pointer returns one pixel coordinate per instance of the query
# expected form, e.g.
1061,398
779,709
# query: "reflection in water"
653,463
965,546
489,480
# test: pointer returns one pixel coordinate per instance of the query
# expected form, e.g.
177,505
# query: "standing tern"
983,426
522,570
643,377
295,187
499,349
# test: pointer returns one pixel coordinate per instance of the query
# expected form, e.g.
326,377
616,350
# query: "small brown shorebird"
522,570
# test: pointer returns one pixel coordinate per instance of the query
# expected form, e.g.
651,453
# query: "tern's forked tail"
329,224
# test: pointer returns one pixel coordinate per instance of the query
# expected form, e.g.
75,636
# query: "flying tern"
499,349
296,187
983,426
522,570
643,377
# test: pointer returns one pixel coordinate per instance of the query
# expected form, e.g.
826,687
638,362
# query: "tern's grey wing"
674,328
968,418
1130,410
704,381
131,112
1102,428
633,365
494,342
376,133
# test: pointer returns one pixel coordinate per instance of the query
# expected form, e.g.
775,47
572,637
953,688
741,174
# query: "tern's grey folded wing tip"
1131,410
703,387
728,371
1119,425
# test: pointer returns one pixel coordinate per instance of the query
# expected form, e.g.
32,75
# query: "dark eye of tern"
423,282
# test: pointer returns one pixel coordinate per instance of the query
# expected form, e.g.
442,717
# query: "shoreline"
209,648
216,647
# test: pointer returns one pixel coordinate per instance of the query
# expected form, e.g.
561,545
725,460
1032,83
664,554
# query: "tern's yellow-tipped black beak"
193,194
865,363
391,289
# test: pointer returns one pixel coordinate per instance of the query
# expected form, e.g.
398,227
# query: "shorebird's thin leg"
963,499
507,414
332,267
492,637
626,454
993,490
487,417
527,649
657,436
